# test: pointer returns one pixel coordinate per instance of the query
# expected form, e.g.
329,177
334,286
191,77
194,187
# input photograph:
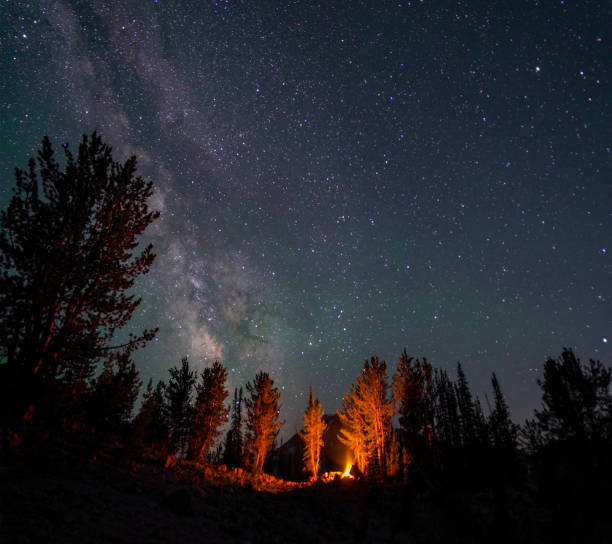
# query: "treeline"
446,435
443,429
184,417
69,258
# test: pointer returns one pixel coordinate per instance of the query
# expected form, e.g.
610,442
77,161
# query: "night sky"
343,179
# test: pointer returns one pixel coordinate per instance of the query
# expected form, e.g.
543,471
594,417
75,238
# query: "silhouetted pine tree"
209,411
467,410
503,431
159,430
312,435
394,454
262,425
68,259
140,439
414,398
180,409
576,399
448,423
114,393
573,445
232,455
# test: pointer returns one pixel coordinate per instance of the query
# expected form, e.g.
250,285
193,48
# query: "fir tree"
262,425
68,259
209,411
180,410
312,435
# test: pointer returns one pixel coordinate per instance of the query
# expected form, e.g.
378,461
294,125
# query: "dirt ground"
68,499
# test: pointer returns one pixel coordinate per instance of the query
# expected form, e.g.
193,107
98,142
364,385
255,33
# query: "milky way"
343,180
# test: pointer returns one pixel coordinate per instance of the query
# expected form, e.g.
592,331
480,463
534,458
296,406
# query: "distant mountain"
286,461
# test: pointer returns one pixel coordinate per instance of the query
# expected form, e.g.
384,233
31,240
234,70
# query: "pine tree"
413,395
355,429
262,426
140,439
366,418
232,454
209,411
114,393
159,430
576,400
312,435
180,410
68,259
503,431
448,426
467,408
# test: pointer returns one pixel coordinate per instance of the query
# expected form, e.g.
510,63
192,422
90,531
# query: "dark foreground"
67,499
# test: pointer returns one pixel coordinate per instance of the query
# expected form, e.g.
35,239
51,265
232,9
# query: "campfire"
338,474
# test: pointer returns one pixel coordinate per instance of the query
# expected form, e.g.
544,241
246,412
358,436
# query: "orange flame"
331,476
347,471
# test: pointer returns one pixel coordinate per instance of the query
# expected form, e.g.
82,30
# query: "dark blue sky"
344,179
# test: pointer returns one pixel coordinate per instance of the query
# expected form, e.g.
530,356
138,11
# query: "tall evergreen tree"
414,398
114,393
180,409
232,455
366,418
576,401
140,439
68,259
448,425
262,425
355,429
159,430
467,408
503,431
312,435
209,411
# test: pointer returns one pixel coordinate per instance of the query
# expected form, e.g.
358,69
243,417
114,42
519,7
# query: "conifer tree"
312,435
140,439
262,425
413,395
159,430
355,429
209,411
68,258
448,427
114,393
503,431
366,418
467,408
232,454
180,409
576,400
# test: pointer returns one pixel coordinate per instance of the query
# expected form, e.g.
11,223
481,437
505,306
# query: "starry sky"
343,179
